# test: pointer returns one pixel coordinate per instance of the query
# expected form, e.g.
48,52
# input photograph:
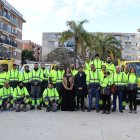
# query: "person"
80,87
119,80
125,93
36,78
21,96
68,103
105,83
87,63
73,70
94,80
13,76
51,98
110,66
98,62
59,77
45,79
3,76
53,75
86,71
25,78
132,81
6,96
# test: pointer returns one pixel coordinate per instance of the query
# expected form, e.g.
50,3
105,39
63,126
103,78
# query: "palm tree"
81,37
107,44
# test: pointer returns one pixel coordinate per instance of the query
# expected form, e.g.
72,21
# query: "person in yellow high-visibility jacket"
3,76
50,98
36,77
132,83
120,80
88,63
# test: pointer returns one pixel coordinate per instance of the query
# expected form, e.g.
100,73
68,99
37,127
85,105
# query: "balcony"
9,31
6,16
8,42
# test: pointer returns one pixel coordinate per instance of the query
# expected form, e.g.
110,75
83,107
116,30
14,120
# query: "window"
127,37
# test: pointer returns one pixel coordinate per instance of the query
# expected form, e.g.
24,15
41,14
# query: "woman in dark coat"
80,87
67,103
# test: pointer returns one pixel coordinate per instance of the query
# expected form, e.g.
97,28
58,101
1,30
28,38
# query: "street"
40,125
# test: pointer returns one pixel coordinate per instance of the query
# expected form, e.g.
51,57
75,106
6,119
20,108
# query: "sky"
102,15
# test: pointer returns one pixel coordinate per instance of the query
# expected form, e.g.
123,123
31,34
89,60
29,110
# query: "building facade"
130,43
11,22
31,46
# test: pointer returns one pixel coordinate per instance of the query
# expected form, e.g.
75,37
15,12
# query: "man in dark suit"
80,87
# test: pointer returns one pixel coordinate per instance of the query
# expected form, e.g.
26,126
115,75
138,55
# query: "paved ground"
39,125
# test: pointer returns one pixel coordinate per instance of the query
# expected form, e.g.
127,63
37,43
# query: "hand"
80,88
36,83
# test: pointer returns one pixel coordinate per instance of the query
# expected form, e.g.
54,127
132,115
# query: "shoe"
32,108
25,109
83,110
113,110
131,111
39,108
103,112
48,110
76,109
17,108
135,112
88,110
108,112
121,111
97,110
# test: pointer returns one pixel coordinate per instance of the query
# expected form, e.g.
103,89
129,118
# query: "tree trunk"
75,51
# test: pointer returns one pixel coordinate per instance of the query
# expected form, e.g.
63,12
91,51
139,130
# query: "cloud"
51,15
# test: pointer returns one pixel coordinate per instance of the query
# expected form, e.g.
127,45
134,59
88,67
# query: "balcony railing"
8,42
9,17
8,30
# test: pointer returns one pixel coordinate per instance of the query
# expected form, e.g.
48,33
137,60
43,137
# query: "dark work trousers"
59,87
124,98
132,95
44,85
106,102
28,86
35,94
80,100
118,94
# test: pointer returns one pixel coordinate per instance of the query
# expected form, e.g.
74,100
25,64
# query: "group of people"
68,89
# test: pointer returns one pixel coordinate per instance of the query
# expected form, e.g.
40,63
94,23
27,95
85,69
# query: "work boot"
103,112
17,108
107,112
113,110
131,111
32,107
135,112
83,110
97,110
88,110
48,109
39,108
24,108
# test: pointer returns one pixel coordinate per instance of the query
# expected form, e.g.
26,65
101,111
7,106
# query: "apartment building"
11,22
130,43
31,46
